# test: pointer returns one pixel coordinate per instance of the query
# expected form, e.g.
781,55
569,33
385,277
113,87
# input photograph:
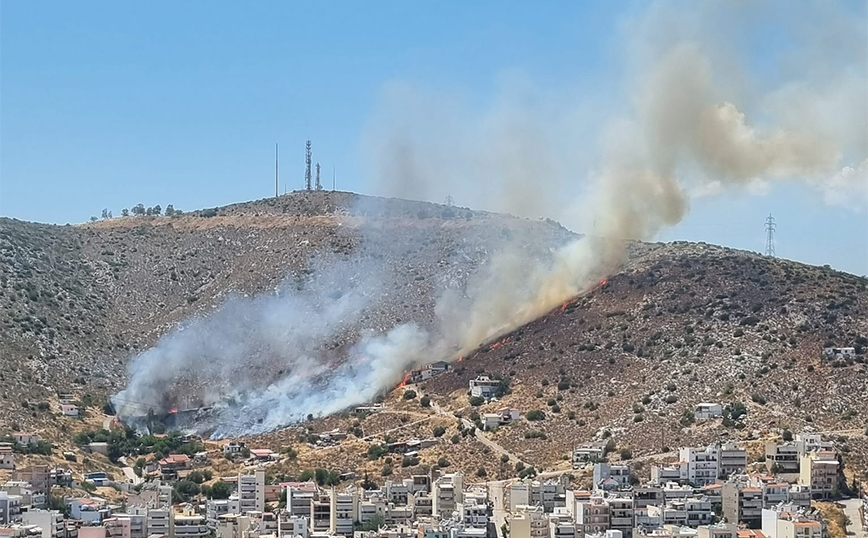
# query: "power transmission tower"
318,184
770,236
307,165
276,173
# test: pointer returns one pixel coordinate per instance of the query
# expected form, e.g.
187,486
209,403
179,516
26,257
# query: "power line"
770,236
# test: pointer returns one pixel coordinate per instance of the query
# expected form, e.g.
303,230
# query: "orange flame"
495,345
461,359
604,282
405,380
173,410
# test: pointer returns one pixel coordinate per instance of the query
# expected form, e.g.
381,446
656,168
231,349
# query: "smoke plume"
620,167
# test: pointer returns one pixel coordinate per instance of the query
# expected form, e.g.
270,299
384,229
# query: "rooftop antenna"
770,236
307,165
318,184
276,172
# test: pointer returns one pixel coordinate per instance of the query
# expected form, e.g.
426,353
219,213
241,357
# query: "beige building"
821,471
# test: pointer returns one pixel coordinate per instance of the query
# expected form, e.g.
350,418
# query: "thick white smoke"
691,121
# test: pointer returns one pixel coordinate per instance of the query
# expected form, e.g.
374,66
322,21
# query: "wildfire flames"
405,380
173,410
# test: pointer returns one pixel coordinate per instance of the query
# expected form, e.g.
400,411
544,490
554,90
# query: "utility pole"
276,172
318,184
770,236
333,178
307,165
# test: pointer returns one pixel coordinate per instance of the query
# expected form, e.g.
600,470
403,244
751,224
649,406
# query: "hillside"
77,302
680,324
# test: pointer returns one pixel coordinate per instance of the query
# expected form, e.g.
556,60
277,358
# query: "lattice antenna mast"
770,236
307,165
318,184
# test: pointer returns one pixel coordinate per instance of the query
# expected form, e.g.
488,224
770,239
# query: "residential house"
89,510
839,352
7,456
97,447
611,477
811,442
25,439
675,472
234,447
31,497
69,409
492,421
588,453
484,387
172,464
264,454
708,411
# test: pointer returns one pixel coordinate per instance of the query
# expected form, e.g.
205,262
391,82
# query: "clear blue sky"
107,104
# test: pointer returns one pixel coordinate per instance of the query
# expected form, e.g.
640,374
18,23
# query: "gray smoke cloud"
688,122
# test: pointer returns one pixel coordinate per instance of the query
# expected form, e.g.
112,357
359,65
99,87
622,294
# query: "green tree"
425,401
220,490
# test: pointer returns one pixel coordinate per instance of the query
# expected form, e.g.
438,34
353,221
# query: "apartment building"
528,522
783,460
611,477
702,464
591,515
790,522
621,516
731,459
10,508
447,492
484,387
190,526
50,521
742,504
721,530
821,471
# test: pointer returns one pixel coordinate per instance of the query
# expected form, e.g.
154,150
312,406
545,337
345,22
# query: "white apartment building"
621,515
708,411
192,526
484,387
50,521
702,464
786,523
608,477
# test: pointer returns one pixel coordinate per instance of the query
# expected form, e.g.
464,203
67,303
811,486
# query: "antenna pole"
276,171
333,178
770,236
307,165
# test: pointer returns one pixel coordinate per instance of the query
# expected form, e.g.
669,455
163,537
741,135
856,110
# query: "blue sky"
106,104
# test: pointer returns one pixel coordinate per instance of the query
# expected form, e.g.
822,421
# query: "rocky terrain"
677,325
77,302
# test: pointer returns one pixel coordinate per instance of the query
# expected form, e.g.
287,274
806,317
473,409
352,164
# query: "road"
129,472
856,525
